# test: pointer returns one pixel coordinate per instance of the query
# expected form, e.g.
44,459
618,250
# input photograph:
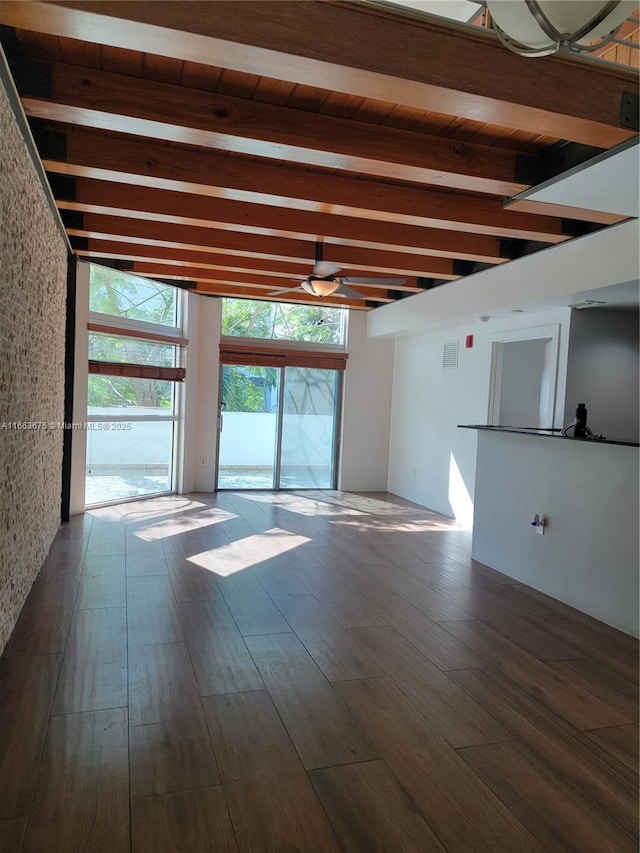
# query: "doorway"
278,427
524,367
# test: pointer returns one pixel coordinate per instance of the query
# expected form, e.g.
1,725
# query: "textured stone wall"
32,317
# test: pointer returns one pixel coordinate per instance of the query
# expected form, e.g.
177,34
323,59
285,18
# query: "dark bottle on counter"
580,423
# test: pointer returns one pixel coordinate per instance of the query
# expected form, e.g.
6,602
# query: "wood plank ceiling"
211,144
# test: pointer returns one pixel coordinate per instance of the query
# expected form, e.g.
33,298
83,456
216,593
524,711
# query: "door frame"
551,335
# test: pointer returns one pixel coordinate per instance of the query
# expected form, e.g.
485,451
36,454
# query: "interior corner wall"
602,371
431,461
33,259
366,409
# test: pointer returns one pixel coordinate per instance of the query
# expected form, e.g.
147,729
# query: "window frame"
126,327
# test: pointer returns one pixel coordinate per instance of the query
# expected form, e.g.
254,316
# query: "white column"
200,398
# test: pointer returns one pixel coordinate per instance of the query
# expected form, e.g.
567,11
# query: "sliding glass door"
309,420
248,426
278,427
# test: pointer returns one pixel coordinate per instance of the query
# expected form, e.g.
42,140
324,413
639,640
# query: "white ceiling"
602,266
609,183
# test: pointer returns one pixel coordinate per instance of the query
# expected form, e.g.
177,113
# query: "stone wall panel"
33,263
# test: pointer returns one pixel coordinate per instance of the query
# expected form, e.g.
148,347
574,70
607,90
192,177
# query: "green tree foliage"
252,389
120,295
123,295
282,321
249,389
109,391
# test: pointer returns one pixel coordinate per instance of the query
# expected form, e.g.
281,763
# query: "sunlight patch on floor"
300,505
146,509
367,505
382,526
186,524
228,559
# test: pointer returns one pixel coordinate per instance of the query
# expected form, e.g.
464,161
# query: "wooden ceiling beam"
91,196
424,64
147,163
161,235
228,264
117,102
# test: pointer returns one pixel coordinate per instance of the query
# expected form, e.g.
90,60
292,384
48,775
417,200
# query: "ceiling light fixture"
544,27
321,286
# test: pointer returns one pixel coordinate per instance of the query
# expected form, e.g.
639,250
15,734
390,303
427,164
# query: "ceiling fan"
323,280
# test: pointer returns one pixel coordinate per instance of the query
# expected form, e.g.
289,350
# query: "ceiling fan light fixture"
321,286
543,27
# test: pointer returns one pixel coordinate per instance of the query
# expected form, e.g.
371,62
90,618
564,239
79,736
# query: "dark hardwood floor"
310,671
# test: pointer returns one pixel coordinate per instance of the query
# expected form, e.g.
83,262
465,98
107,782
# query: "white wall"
588,557
603,371
308,440
366,411
249,439
125,442
431,461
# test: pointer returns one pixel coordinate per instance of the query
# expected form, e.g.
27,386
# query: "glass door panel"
248,427
130,438
309,418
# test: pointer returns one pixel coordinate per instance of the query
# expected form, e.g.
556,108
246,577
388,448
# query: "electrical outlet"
203,460
538,522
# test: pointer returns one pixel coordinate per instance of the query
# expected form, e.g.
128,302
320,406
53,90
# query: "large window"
130,297
135,369
282,321
279,427
105,346
280,388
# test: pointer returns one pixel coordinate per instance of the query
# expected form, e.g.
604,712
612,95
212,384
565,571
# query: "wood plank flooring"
312,671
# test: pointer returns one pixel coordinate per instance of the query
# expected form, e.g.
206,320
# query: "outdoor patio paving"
235,477
117,484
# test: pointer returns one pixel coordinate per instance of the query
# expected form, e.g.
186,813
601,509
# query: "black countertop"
550,433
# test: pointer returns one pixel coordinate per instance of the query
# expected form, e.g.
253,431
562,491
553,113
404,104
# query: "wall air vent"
450,356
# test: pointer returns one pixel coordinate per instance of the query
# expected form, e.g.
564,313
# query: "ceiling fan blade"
325,269
349,293
391,282
286,290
